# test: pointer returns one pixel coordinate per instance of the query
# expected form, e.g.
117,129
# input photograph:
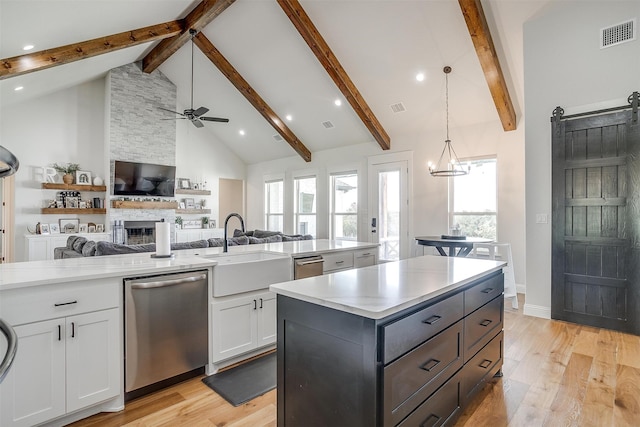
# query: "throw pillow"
216,242
265,233
271,239
108,248
78,244
236,241
89,248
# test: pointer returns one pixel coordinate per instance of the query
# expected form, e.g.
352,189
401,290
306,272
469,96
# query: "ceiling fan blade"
171,111
200,111
197,123
214,119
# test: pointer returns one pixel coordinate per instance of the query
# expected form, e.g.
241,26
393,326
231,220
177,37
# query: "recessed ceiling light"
420,77
288,117
337,102
241,132
18,88
28,47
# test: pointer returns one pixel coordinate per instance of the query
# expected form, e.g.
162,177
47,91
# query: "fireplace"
139,232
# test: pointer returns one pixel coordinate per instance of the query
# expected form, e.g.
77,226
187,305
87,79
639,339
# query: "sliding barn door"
596,217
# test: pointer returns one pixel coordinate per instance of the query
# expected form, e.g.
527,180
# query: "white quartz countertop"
34,273
384,289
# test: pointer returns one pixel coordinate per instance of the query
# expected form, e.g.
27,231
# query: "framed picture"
92,229
69,226
82,204
184,183
190,203
44,228
54,228
71,202
181,205
83,228
83,178
99,228
212,223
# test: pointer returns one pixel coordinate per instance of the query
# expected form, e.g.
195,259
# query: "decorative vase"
97,181
67,178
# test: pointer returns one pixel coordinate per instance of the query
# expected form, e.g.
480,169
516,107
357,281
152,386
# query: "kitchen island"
404,343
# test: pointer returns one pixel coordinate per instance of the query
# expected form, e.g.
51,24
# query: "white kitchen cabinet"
190,235
241,323
62,365
40,247
365,257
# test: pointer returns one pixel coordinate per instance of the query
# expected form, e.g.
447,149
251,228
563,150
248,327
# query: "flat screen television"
143,179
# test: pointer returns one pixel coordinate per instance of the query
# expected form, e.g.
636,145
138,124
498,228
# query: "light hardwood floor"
555,374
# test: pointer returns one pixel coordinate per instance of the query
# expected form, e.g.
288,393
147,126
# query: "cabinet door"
364,258
37,249
34,389
234,329
93,358
267,321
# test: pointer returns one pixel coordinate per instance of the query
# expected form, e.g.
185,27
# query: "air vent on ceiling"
617,34
398,107
327,124
278,138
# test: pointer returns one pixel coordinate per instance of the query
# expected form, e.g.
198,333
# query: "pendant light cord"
446,89
192,35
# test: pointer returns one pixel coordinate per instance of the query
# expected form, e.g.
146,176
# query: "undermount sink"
251,271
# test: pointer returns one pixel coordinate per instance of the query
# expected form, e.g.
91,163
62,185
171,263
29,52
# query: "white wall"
565,67
430,195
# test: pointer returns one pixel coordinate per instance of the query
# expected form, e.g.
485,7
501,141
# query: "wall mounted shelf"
193,192
194,211
73,211
129,204
72,187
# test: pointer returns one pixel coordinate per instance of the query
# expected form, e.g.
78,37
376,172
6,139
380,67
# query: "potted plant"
179,221
205,222
67,171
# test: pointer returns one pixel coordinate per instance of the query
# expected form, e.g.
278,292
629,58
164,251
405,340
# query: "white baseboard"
537,311
521,289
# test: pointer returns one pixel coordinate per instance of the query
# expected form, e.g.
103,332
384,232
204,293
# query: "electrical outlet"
542,218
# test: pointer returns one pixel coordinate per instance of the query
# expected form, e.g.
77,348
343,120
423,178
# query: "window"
274,205
473,201
344,206
305,205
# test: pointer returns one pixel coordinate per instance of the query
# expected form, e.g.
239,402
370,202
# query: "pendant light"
448,164
9,164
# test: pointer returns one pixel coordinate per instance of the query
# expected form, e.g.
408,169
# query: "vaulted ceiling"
381,45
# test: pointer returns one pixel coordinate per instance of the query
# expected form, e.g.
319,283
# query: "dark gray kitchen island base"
420,366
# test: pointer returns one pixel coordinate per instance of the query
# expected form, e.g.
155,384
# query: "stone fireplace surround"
135,133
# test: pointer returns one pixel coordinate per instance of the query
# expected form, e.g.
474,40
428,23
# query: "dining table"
459,246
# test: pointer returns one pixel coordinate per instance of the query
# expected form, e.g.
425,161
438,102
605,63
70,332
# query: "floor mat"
245,382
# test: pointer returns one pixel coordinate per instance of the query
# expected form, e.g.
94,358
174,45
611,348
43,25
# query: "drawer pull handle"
486,322
73,329
59,304
339,262
487,291
59,333
485,364
431,421
432,364
431,320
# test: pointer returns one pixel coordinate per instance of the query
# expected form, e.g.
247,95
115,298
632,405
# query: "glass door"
389,209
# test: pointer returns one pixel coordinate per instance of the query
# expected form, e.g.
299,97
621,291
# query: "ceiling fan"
190,114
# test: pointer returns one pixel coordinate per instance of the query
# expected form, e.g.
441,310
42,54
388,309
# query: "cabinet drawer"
409,332
482,367
19,306
364,258
442,407
338,261
482,293
415,376
482,325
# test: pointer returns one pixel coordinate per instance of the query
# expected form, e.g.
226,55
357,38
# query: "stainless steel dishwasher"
165,322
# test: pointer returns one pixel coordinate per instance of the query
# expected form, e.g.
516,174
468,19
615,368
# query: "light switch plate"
542,218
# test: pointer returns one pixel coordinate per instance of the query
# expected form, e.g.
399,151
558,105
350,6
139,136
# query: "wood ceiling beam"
35,61
486,51
251,95
323,52
205,12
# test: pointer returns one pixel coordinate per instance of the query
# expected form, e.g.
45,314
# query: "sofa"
78,246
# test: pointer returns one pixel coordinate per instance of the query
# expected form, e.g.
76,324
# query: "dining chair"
501,251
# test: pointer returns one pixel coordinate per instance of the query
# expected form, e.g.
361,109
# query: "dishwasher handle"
12,347
170,282
311,260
